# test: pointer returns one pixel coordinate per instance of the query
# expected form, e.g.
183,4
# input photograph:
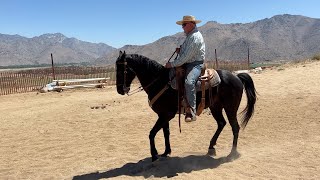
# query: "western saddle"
206,76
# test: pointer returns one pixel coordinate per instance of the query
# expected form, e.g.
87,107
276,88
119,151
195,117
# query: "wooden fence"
228,65
27,80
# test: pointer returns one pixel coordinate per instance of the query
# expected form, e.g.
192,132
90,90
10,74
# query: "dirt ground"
97,133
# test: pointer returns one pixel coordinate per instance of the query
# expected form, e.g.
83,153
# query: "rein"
141,88
172,55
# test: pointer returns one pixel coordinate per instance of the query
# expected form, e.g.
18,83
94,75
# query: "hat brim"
181,22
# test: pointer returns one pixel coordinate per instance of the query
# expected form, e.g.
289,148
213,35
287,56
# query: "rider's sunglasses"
184,24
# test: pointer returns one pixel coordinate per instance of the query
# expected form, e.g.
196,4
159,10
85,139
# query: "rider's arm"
187,53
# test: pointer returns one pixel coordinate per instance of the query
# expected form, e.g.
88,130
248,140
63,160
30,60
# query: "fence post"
54,76
248,59
215,54
1,85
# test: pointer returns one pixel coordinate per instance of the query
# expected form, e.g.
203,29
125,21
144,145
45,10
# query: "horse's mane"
146,62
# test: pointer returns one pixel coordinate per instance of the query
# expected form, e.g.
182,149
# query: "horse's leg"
217,114
232,117
166,133
159,124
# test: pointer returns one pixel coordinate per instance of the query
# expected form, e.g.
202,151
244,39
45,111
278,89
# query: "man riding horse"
191,58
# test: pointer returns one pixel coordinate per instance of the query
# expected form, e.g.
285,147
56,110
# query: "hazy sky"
136,22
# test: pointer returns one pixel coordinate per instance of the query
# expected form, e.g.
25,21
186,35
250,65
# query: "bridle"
124,86
140,88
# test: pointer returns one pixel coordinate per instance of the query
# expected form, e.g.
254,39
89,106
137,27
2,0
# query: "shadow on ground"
166,167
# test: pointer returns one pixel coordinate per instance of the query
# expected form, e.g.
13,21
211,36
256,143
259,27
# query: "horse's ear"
122,53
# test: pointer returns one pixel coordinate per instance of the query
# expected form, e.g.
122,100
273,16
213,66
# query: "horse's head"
125,74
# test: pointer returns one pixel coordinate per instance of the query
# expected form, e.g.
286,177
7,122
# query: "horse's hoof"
233,155
165,154
156,161
154,158
212,152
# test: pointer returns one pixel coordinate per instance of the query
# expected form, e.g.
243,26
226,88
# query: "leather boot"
189,117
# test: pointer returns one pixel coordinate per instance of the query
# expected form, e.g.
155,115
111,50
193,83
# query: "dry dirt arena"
59,136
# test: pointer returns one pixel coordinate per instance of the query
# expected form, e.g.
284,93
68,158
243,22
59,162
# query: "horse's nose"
126,90
120,90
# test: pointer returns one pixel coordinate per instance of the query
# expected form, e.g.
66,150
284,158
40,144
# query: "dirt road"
96,133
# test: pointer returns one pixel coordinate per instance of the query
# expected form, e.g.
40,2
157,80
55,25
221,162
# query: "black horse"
154,77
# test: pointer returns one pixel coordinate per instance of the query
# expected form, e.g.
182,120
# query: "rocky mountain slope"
18,50
281,37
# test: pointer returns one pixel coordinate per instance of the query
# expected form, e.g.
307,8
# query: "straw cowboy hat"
189,18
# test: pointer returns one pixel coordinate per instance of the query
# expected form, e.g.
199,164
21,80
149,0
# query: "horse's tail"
251,98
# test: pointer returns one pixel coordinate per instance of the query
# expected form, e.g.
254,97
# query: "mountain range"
281,37
18,50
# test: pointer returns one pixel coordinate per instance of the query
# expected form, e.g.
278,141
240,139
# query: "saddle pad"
211,83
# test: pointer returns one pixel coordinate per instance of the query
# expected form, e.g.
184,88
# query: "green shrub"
316,57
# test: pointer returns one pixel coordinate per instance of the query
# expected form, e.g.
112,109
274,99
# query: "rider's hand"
177,50
168,65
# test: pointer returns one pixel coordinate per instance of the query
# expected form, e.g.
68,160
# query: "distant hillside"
282,37
18,50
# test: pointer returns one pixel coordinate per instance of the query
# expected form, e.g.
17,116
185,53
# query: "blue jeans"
193,71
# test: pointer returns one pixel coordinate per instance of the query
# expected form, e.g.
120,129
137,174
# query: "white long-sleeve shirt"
192,49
